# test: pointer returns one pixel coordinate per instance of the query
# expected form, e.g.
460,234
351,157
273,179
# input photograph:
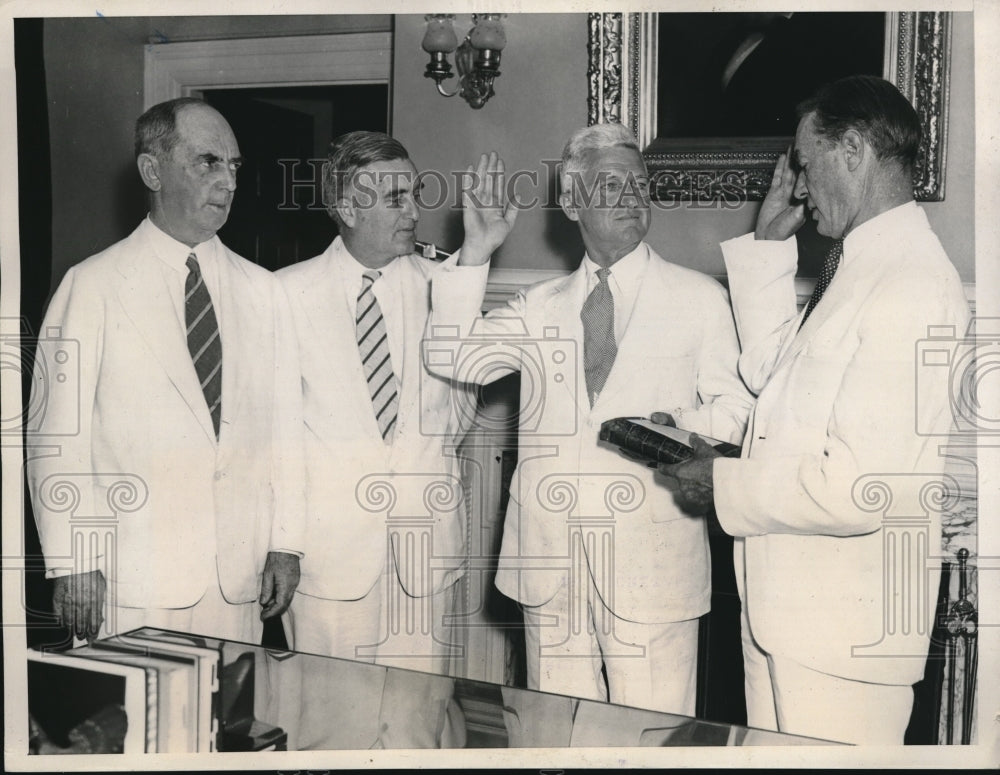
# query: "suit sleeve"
461,343
287,443
762,283
725,401
883,397
58,425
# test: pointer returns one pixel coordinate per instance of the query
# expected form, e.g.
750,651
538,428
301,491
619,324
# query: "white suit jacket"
368,501
844,403
679,353
123,460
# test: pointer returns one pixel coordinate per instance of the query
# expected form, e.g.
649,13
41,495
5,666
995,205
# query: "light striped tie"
599,347
203,339
373,346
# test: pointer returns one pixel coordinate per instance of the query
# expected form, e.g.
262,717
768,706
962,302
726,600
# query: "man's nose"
410,209
227,178
800,191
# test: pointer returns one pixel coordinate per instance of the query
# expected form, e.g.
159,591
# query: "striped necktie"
599,347
833,256
373,346
203,339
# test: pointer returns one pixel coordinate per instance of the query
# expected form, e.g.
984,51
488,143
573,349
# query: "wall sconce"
477,58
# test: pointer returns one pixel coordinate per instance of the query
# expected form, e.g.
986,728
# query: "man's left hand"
487,215
691,481
281,577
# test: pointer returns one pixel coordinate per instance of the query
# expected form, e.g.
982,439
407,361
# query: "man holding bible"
608,571
838,403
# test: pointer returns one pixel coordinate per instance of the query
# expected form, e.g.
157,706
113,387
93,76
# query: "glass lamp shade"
488,34
440,36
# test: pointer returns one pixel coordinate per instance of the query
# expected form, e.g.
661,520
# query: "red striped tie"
203,339
373,346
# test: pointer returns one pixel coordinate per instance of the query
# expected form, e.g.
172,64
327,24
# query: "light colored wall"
94,80
94,77
542,97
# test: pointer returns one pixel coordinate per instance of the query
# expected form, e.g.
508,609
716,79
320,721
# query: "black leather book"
654,443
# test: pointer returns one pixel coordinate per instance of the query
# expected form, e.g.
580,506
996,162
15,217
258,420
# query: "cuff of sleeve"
723,473
80,565
296,552
765,257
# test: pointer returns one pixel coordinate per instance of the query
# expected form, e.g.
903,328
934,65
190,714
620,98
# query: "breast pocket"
812,389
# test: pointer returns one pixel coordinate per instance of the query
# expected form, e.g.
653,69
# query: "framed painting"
711,96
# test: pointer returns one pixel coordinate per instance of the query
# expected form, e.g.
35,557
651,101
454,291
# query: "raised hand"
780,215
487,214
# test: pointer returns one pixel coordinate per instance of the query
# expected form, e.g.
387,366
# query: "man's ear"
149,171
347,212
854,148
567,203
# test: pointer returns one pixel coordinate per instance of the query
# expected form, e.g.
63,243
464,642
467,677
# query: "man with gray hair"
608,571
380,431
186,412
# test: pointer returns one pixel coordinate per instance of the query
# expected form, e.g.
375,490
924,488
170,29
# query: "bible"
656,444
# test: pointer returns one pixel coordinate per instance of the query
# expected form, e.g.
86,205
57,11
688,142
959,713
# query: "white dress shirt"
624,280
173,256
386,292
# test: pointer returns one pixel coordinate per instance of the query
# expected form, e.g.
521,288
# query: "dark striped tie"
833,256
599,347
373,346
203,339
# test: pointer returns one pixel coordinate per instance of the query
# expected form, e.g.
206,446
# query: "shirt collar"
890,222
354,269
627,271
174,253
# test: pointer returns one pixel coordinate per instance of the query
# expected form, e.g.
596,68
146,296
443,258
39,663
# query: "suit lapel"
147,304
648,301
337,370
241,335
562,311
413,291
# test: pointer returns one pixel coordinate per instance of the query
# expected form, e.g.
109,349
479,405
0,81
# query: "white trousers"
832,708
386,626
569,638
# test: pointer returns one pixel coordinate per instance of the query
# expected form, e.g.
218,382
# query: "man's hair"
873,107
593,138
156,129
349,153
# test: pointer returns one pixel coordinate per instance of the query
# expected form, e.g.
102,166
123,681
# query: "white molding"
504,283
180,69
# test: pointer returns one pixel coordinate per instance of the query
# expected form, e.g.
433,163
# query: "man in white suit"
607,570
185,417
385,514
838,407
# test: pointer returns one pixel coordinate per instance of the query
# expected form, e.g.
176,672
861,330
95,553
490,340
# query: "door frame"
183,69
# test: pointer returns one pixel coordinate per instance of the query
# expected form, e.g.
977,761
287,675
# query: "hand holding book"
683,459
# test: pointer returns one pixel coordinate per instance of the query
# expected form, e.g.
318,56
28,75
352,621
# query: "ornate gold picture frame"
622,68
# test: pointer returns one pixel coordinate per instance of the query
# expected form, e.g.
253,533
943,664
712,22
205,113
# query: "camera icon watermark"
963,367
54,362
548,365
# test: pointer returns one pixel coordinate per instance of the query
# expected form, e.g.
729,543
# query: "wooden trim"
181,69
